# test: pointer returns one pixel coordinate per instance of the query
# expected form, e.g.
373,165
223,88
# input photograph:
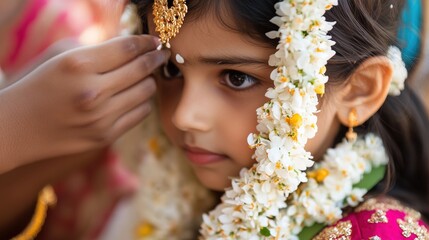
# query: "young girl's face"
208,104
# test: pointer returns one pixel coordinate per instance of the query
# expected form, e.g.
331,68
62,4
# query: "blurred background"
420,72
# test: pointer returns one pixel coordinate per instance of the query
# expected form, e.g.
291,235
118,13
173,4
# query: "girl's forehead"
207,39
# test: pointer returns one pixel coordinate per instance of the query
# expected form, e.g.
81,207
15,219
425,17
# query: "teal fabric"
410,31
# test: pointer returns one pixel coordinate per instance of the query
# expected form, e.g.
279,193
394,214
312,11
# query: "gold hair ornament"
168,21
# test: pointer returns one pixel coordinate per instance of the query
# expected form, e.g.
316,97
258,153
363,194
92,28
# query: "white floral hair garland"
399,71
256,207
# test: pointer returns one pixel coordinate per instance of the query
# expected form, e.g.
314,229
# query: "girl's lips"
200,156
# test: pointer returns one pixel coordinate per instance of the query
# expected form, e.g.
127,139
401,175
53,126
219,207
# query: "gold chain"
46,199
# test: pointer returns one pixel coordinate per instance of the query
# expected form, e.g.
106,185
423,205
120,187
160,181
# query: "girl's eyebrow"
232,60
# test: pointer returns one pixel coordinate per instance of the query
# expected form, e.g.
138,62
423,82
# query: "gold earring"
168,21
352,135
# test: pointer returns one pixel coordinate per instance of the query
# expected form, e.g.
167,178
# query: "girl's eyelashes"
233,79
170,70
238,80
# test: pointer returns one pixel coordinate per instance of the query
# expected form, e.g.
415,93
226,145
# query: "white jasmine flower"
356,197
256,207
399,71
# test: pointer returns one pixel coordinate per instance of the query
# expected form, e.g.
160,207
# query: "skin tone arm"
17,207
30,175
80,100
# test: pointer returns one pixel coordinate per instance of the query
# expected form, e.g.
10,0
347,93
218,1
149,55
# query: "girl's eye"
170,70
238,80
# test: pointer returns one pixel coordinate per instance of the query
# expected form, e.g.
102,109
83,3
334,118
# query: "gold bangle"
46,199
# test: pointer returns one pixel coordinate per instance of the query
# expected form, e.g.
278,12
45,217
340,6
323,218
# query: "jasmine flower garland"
255,206
170,201
331,182
282,193
175,200
400,71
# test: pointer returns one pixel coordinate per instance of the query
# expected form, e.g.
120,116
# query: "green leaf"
369,180
265,232
309,232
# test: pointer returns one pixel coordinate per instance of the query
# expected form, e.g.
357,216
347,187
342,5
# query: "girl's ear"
365,90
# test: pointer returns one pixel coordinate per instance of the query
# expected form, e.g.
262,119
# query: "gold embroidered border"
386,204
342,231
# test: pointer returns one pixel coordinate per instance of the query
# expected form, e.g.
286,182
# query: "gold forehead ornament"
168,21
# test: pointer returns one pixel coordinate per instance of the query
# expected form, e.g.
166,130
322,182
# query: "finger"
130,120
133,72
132,97
114,53
105,114
110,84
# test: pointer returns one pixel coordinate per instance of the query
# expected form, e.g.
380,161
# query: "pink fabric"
86,200
60,22
66,24
363,225
362,229
30,15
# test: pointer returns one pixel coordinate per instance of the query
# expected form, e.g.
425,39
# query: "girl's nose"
194,112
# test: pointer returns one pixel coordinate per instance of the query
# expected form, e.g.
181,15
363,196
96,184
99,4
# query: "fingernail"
157,42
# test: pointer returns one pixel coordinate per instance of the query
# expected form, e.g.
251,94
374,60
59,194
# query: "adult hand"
80,100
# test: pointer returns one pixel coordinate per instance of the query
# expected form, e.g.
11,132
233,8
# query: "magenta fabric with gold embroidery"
364,228
378,219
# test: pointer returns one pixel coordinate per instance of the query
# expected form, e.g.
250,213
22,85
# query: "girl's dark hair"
364,28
